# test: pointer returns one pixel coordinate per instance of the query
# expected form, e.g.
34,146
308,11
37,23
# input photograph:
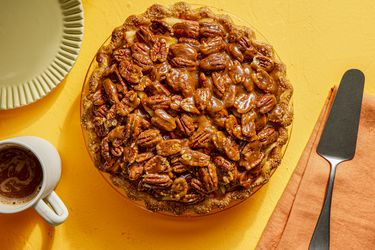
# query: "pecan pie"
186,111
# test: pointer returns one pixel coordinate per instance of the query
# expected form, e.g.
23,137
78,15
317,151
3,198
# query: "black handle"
320,238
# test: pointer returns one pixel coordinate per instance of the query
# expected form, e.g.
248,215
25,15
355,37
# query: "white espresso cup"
45,202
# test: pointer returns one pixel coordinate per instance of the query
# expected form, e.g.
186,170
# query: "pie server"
338,143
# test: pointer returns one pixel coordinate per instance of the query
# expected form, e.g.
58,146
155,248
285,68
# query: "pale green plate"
40,41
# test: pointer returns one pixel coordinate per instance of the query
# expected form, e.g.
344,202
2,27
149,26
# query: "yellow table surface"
317,40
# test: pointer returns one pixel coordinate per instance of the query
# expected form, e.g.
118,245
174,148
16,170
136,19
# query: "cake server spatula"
338,143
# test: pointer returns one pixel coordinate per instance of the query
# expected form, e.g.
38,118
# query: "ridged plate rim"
23,93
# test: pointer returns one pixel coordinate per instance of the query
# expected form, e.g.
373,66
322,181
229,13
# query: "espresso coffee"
20,174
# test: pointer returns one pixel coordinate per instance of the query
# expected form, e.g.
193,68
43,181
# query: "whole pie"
186,111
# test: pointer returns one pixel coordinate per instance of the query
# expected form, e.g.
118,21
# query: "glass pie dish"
186,147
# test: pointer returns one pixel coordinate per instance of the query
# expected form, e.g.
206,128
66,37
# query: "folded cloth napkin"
353,203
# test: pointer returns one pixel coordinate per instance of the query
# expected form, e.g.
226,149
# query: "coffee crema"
20,175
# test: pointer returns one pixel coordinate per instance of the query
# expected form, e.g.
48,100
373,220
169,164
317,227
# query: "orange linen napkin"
353,203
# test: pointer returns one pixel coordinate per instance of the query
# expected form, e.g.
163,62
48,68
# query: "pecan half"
266,103
163,120
182,80
261,121
209,178
185,124
156,164
142,157
192,198
224,144
130,153
105,149
205,81
111,90
159,71
178,168
248,124
235,52
179,188
194,43
157,88
263,62
216,107
212,45
122,54
248,80
99,98
169,147
159,51
132,73
252,156
210,29
149,138
277,114
236,72
177,191
264,81
213,62
201,138
186,29
117,133
140,48
232,127
184,51
158,102
156,181
101,111
227,171
198,186
128,103
230,96
202,96
143,61
143,84
181,62
221,81
133,126
268,136
176,102
244,102
194,158
160,27
117,36
135,171
145,35
262,48
117,151
243,42
188,105
111,116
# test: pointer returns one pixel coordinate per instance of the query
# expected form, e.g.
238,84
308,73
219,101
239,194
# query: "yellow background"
317,40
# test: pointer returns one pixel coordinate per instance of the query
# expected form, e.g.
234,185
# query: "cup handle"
54,216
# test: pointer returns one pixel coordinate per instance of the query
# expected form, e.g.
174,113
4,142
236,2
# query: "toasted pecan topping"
186,106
